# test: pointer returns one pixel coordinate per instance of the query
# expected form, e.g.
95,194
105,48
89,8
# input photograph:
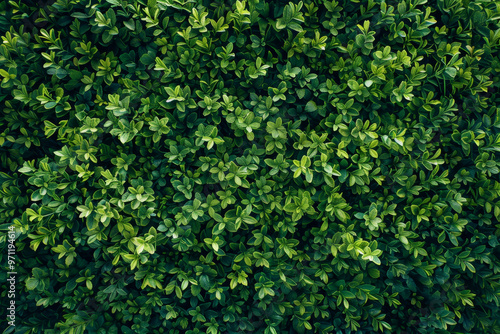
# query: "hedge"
195,166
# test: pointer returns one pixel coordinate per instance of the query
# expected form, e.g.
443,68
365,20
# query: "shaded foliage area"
182,166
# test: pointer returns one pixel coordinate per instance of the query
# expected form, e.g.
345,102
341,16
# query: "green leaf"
451,72
32,283
311,106
205,282
50,105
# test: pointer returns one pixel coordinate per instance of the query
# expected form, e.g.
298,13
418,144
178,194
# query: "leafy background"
179,166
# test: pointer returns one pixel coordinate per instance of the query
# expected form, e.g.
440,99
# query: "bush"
182,166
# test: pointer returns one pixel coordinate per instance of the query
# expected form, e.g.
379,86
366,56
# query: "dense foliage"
182,166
